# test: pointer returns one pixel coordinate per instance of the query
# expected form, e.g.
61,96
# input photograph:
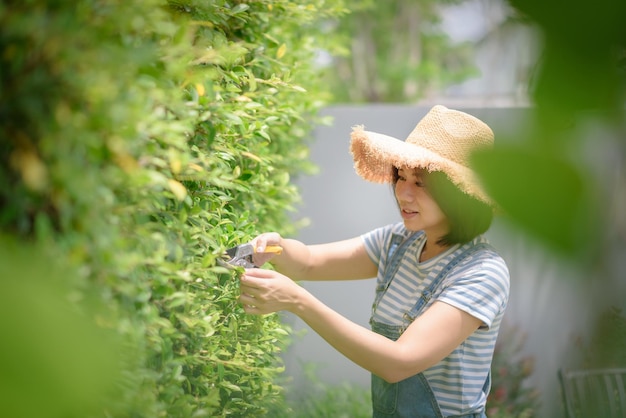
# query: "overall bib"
411,397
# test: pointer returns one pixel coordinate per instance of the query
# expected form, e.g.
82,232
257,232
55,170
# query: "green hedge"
139,139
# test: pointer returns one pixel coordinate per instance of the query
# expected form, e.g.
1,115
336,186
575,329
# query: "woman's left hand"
266,291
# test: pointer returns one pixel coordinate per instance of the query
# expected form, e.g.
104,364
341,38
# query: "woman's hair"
468,217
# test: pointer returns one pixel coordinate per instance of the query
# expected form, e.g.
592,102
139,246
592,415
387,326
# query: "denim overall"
411,397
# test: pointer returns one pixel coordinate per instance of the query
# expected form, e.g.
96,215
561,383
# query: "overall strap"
398,245
427,294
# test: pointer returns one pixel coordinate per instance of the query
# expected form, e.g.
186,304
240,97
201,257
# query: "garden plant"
138,141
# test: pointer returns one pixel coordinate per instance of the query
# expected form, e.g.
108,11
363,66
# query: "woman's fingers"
248,302
260,243
251,275
264,240
250,289
265,291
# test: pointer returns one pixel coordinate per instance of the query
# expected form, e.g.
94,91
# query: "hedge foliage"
139,140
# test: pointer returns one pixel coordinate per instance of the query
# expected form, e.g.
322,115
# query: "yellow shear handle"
274,249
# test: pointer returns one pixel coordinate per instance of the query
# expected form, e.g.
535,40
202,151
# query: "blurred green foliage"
55,359
606,344
318,399
138,141
394,51
549,182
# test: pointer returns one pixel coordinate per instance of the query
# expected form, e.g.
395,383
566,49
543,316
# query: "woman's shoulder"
483,248
397,228
482,268
384,236
480,253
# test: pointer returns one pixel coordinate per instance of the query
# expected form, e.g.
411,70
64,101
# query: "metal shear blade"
241,256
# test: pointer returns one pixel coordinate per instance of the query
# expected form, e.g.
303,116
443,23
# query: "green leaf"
240,8
544,194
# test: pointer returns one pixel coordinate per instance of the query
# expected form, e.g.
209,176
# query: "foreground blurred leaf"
545,195
55,361
580,69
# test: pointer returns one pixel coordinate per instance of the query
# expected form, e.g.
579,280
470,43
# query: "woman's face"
417,207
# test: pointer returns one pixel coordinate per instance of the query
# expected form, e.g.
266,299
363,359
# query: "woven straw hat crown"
442,141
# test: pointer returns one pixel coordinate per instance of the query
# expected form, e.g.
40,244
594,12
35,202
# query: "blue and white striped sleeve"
374,241
479,287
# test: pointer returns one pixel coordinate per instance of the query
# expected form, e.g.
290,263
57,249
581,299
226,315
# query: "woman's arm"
341,260
429,339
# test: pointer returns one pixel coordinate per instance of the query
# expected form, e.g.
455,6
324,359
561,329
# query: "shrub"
138,140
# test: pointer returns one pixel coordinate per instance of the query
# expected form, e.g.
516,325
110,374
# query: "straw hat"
441,141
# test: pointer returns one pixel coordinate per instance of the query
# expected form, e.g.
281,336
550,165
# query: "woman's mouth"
407,213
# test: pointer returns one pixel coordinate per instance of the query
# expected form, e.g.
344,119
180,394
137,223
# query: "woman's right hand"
261,242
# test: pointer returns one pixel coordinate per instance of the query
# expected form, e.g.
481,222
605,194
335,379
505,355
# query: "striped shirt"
478,285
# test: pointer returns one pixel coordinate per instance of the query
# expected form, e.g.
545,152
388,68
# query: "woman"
441,288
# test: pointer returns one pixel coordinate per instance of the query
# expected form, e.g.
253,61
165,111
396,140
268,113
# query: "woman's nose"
404,191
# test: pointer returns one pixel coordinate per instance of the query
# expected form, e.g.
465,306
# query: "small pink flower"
500,394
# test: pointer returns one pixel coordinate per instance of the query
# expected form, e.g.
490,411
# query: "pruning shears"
241,255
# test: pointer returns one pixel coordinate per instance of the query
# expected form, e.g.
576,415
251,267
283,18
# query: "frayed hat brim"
376,154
